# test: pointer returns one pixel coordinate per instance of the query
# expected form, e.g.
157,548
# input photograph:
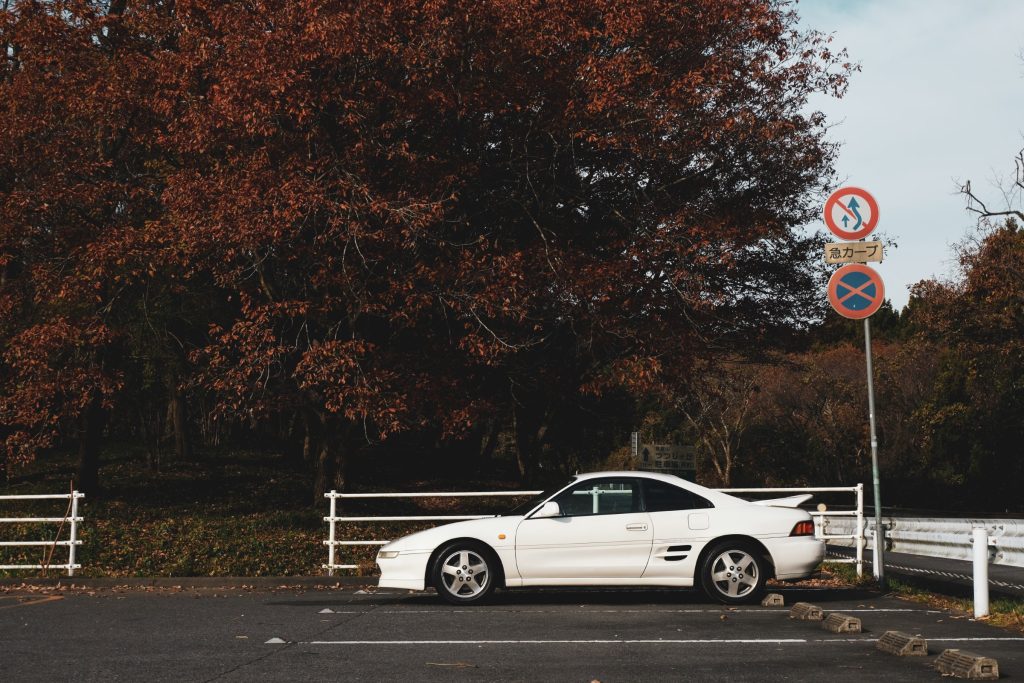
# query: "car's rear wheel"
465,573
734,572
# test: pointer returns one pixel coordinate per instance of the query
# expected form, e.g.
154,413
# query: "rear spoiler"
789,502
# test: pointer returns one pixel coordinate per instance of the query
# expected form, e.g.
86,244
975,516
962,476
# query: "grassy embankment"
235,514
1004,612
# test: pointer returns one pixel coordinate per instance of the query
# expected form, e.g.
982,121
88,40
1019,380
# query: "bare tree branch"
1011,195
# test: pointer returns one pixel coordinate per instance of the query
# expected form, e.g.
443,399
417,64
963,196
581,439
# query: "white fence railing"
332,543
950,538
70,518
821,517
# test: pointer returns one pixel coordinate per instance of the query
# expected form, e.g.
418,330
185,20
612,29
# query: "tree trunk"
308,438
485,464
182,441
177,419
149,432
530,429
90,433
331,461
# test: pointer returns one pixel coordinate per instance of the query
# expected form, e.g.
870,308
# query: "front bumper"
408,570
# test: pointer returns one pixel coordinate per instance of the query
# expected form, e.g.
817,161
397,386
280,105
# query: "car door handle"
636,527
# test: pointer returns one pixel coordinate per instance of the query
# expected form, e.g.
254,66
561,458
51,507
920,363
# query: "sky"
939,100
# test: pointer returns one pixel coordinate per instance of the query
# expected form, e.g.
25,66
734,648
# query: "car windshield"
523,508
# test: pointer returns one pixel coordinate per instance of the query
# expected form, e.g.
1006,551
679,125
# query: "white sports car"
613,529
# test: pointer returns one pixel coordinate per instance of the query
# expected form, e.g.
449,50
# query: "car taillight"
803,529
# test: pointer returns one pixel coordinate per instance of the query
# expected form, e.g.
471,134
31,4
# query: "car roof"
659,476
631,473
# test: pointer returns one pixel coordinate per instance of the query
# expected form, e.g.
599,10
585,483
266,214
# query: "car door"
681,524
601,535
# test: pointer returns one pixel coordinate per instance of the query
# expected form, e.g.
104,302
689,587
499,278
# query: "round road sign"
855,291
851,213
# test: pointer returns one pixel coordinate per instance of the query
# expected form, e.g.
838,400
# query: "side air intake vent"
672,554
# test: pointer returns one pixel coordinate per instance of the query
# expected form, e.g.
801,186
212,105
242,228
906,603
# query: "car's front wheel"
465,573
734,572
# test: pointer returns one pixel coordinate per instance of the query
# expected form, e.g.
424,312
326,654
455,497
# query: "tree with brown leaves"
410,215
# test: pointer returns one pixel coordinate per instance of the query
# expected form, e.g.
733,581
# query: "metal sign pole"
856,291
878,563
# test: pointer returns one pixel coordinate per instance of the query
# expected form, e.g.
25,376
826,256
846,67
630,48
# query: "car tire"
458,569
734,572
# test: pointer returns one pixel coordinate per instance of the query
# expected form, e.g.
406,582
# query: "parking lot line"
755,641
645,641
721,610
957,640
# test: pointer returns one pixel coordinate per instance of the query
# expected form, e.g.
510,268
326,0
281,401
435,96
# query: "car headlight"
387,554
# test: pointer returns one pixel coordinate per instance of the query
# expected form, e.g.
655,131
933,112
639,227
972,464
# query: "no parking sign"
855,291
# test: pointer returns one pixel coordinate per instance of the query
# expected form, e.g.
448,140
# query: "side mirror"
548,509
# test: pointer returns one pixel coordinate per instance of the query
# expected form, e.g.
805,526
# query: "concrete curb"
193,581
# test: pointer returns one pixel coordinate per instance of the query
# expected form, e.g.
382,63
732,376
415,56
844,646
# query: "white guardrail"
70,518
950,538
855,535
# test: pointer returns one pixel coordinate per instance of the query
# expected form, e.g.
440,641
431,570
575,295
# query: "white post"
860,529
980,572
876,555
330,546
74,532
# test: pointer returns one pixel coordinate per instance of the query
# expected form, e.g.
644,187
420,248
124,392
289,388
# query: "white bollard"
860,540
980,572
877,570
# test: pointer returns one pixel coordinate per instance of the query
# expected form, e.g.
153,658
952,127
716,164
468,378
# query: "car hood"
485,529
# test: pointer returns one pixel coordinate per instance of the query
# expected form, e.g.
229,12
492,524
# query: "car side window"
600,497
661,496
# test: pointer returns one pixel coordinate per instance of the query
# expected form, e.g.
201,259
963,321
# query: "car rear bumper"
795,557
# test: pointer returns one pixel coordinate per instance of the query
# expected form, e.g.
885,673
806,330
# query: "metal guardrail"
70,518
821,517
949,538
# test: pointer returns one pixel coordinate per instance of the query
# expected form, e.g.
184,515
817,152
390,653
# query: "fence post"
330,546
860,529
980,572
876,553
74,532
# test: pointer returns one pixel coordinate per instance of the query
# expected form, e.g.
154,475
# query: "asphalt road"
552,635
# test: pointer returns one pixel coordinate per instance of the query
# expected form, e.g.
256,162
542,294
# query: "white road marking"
951,640
888,609
552,642
723,610
627,641
930,639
